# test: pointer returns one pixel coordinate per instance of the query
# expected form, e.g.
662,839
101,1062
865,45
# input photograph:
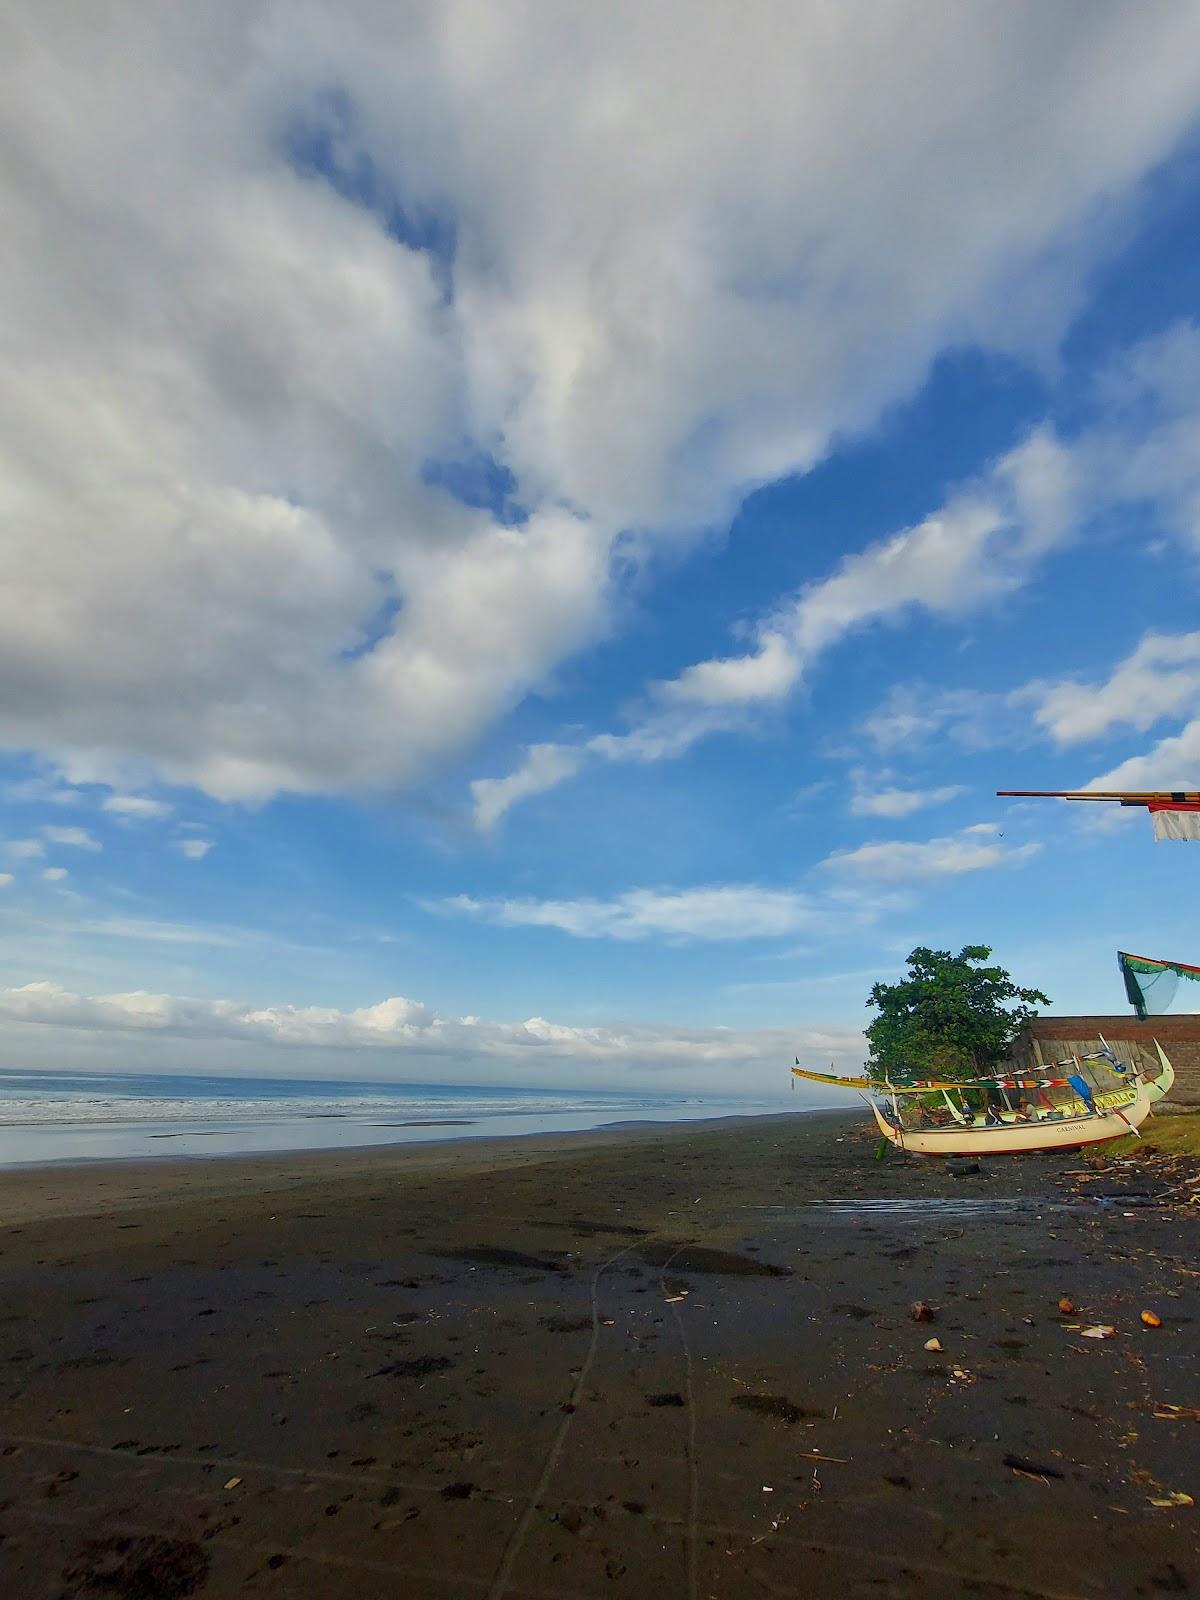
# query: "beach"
643,1361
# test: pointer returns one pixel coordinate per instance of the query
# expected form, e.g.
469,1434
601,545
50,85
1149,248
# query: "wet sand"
647,1362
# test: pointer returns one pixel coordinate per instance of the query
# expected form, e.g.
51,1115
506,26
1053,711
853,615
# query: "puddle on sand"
926,1207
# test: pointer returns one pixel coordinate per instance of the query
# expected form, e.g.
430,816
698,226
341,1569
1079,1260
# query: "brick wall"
1050,1038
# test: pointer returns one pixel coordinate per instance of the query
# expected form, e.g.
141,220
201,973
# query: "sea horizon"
51,1116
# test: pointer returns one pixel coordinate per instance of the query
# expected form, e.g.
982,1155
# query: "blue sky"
543,586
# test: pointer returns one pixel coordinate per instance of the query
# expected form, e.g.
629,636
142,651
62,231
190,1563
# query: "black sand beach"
646,1362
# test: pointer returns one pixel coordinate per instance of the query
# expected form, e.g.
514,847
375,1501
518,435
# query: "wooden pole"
1190,797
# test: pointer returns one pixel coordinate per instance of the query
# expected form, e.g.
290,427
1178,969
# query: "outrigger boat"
977,1117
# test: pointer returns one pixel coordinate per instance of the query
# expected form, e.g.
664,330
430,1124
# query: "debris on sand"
1030,1469
922,1311
773,1405
418,1367
1163,1167
139,1568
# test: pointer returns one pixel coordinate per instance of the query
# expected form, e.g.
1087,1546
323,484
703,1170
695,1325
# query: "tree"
951,1014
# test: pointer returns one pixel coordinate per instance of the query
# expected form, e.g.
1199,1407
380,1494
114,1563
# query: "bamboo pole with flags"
1175,813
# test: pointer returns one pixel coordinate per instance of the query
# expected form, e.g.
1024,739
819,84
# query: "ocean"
61,1116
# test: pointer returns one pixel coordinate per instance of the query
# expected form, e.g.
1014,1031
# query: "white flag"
1176,824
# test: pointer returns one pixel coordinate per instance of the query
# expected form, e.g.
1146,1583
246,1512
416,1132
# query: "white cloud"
1159,679
408,1028
888,802
768,674
980,545
1172,764
6,880
148,930
40,789
717,912
193,849
221,399
901,861
544,766
26,849
75,838
137,807
54,874
916,713
1148,446
664,734
1142,444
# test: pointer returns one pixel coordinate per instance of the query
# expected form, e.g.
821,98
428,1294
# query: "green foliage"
952,1016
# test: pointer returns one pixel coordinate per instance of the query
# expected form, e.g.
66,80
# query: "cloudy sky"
532,533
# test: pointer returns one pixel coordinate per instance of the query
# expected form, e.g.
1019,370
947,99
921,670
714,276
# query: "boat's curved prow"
888,1129
1158,1087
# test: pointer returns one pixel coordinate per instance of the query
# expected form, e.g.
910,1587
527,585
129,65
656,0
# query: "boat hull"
1019,1138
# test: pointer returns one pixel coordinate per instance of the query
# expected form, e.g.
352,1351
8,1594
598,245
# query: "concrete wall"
1050,1038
